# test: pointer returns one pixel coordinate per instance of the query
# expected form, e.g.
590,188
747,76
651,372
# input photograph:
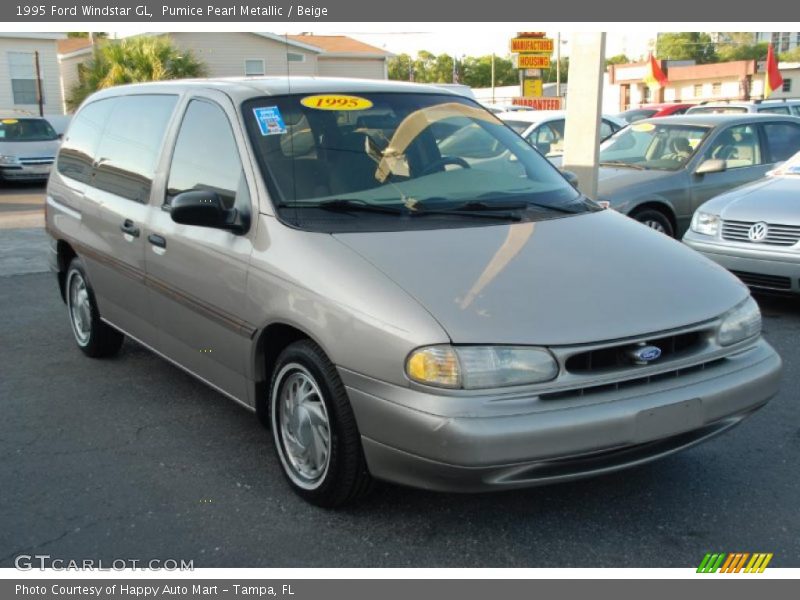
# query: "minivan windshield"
649,145
382,161
26,130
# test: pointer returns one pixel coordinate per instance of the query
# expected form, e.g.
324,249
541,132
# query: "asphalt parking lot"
130,458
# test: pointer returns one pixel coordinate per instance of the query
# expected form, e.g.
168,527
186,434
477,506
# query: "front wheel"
316,437
655,219
93,336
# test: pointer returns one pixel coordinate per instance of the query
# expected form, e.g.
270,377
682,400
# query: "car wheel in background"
654,219
315,432
94,338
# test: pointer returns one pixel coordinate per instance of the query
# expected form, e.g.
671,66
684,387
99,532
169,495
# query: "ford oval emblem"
644,354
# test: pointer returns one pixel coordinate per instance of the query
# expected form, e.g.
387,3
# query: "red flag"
772,78
655,76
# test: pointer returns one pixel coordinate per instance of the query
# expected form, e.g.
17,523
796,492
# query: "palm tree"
132,60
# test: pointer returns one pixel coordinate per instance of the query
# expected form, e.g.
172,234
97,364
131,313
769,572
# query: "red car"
646,111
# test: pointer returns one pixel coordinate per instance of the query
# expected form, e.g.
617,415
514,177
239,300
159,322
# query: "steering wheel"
446,160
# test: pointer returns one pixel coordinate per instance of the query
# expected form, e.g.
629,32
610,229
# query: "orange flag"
772,78
655,76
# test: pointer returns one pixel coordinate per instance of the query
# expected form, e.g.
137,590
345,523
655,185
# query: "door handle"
157,240
129,227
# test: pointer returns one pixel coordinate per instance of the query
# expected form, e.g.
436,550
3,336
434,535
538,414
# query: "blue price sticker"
270,121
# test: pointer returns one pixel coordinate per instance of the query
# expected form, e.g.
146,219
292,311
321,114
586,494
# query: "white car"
544,129
503,108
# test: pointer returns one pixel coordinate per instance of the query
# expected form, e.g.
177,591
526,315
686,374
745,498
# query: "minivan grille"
36,160
773,282
611,358
777,235
630,383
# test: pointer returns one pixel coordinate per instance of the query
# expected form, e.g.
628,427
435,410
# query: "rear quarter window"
77,153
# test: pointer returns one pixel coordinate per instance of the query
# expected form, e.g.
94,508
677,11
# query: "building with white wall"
18,89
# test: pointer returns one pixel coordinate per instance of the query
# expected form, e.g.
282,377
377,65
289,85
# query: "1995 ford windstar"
395,282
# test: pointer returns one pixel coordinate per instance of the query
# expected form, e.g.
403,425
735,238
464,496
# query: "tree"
400,67
792,55
686,46
477,71
730,52
85,34
133,60
618,59
549,74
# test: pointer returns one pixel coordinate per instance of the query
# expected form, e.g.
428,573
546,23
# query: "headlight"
705,223
741,323
8,159
477,367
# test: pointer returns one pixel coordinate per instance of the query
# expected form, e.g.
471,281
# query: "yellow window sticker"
642,127
336,102
9,121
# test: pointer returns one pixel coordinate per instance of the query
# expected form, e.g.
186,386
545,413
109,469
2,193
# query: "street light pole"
39,97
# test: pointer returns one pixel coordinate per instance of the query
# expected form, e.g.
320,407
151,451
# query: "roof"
340,45
69,45
243,88
715,119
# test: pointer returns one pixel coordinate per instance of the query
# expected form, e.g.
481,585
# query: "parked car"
659,171
544,129
647,111
28,146
778,107
754,230
395,312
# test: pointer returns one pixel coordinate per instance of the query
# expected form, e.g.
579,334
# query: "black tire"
94,338
655,219
344,477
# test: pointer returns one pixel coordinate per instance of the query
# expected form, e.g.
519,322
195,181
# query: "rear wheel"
94,338
655,219
316,437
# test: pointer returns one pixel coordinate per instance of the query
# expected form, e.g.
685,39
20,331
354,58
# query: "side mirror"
571,177
204,208
60,136
710,165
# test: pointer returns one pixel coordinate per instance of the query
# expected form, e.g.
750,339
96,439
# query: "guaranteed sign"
532,45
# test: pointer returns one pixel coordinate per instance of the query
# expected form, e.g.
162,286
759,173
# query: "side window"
778,110
77,153
783,140
131,144
606,129
206,156
549,138
738,146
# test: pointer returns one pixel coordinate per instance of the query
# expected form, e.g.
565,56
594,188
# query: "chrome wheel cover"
301,426
653,224
80,308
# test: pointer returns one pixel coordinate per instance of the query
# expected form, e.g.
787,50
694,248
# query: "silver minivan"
452,321
28,146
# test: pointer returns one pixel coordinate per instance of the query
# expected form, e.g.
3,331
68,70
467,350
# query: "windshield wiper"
622,163
355,205
479,206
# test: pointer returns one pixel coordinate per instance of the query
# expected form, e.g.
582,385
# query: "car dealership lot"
132,459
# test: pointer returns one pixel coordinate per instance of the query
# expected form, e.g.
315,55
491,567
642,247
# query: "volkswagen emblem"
757,231
644,354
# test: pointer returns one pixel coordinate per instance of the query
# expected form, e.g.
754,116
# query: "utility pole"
39,97
558,65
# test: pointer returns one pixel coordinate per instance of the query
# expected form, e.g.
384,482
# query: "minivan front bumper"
546,441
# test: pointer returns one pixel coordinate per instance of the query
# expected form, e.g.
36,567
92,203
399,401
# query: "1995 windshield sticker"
270,121
336,102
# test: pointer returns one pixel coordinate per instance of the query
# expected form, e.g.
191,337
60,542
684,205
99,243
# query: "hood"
581,279
613,180
774,200
44,149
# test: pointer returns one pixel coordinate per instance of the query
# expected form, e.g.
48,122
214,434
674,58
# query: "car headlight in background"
741,323
8,159
705,223
478,367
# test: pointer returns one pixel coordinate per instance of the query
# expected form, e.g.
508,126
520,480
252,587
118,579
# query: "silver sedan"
754,230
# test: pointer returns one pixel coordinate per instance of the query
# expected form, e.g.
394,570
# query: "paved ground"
131,458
